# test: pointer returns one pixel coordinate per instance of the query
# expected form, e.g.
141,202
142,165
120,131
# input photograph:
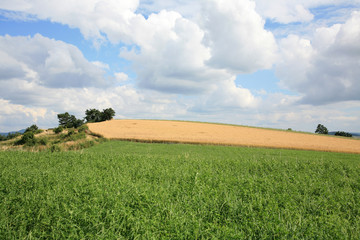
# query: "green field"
125,190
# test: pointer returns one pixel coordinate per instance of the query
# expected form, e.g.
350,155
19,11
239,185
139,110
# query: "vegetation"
342,133
9,136
69,121
126,190
33,128
94,115
321,129
58,129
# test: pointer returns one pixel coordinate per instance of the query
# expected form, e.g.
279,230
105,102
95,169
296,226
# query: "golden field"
209,133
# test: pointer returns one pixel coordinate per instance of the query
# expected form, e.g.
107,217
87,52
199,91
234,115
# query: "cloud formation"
47,62
325,69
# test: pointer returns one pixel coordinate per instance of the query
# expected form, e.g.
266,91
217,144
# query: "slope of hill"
209,133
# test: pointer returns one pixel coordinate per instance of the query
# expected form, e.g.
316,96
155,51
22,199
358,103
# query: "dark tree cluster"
91,115
9,136
344,134
69,121
94,115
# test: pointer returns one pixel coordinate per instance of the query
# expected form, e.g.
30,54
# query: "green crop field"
125,190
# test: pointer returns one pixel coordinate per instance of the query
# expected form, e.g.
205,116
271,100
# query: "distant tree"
32,128
344,134
321,129
69,121
2,138
93,115
107,114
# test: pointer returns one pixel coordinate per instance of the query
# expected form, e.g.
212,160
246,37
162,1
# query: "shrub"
58,130
32,128
83,128
55,148
27,139
43,141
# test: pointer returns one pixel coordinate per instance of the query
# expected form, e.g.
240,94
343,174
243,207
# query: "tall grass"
124,190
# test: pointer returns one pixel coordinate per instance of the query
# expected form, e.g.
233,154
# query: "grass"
127,190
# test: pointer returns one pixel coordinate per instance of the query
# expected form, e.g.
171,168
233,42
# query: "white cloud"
288,11
121,77
49,62
325,69
236,36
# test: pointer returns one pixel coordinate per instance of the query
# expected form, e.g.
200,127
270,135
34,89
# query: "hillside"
208,133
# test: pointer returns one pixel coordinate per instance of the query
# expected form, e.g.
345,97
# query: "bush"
83,128
58,130
55,148
43,141
32,128
27,139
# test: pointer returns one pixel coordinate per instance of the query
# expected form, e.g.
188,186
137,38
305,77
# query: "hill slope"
208,133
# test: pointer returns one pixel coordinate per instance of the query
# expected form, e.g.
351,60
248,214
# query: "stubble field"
207,133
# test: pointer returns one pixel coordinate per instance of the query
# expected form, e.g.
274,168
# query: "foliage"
9,136
58,130
321,129
344,134
94,115
161,191
69,121
83,128
28,139
32,128
107,114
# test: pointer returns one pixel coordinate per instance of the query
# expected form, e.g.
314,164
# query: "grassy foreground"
124,190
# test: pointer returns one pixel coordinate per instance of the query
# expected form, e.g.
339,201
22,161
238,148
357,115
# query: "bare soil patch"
209,133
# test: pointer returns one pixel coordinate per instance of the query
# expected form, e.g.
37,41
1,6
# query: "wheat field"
219,134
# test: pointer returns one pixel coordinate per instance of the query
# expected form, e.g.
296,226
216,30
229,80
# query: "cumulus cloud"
51,63
236,36
288,11
325,69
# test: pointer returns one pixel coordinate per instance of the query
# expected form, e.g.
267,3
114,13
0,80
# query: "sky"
276,64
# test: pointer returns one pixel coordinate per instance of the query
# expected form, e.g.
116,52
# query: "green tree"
321,129
69,121
107,114
93,115
32,128
344,134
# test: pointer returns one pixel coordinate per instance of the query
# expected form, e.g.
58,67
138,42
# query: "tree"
321,129
344,134
107,114
69,121
32,128
93,115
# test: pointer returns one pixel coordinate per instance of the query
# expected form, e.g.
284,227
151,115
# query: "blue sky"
288,64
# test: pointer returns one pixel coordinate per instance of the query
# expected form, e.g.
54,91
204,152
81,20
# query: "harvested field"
208,133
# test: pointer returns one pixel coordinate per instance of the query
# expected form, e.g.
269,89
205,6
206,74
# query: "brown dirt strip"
209,133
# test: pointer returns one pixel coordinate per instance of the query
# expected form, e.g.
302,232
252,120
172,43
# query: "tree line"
91,115
321,129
